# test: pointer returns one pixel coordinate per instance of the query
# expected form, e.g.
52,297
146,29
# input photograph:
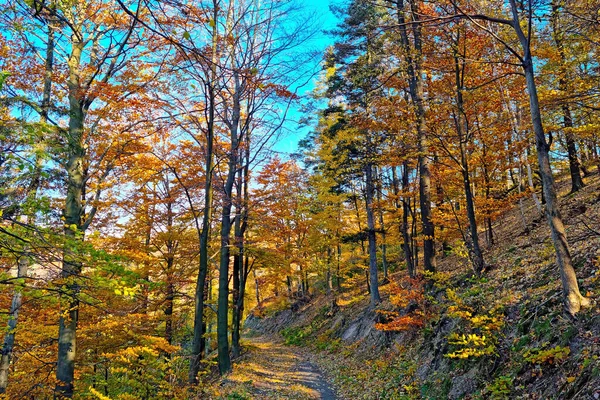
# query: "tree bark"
369,195
463,131
573,299
240,269
384,262
224,359
487,219
413,56
563,87
73,212
256,287
169,304
404,227
199,342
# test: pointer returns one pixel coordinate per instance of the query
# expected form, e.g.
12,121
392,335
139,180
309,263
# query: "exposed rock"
463,385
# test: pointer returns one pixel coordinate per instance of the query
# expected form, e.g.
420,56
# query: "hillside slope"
504,335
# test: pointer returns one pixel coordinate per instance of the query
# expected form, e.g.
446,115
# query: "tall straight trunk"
306,282
384,262
410,258
328,278
586,156
170,263
73,233
224,359
147,240
338,280
563,87
463,131
573,299
288,281
521,203
413,225
478,262
208,297
169,305
413,58
358,221
369,196
574,166
199,341
487,182
238,268
245,273
302,284
406,237
256,287
235,297
23,261
241,223
515,119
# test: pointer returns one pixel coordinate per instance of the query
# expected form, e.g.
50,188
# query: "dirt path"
271,370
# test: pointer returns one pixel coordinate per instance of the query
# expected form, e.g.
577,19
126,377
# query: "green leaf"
3,76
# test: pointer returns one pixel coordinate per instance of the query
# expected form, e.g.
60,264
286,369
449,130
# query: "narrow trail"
271,370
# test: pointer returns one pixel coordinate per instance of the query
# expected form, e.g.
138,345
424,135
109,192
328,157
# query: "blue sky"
289,142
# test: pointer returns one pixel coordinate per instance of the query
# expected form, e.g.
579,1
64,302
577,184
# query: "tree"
413,65
572,297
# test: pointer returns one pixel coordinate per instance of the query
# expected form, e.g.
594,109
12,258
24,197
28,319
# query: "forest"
237,199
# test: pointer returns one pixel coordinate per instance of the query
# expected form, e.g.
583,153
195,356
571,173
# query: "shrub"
408,292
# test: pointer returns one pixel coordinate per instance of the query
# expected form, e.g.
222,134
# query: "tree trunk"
488,220
384,262
413,225
563,87
256,287
478,262
328,279
406,239
573,299
235,294
463,130
199,341
413,55
574,167
169,302
224,359
369,194
241,223
73,212
338,274
536,200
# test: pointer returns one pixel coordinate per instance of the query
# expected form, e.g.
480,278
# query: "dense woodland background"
438,227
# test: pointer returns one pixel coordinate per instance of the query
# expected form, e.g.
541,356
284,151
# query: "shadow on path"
271,370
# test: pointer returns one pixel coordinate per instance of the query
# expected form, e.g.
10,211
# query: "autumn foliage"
408,296
150,197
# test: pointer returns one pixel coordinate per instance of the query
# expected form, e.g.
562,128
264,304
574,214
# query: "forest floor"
270,370
538,351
